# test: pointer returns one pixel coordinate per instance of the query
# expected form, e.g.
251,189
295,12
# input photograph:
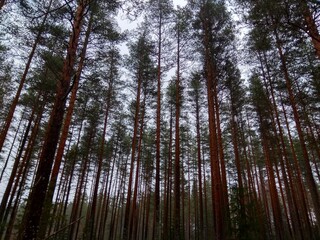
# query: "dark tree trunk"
15,168
64,134
134,216
156,233
128,209
199,163
36,201
12,145
177,187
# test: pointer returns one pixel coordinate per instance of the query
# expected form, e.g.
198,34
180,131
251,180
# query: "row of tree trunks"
309,175
4,168
299,223
76,212
20,171
217,191
128,209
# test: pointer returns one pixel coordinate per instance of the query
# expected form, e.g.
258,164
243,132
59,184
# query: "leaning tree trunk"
309,174
64,134
312,28
35,204
14,103
15,168
13,144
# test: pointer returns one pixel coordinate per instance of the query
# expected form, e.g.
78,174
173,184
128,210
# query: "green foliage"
5,81
250,225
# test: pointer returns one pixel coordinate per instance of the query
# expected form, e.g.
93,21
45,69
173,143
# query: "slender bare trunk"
199,163
157,184
128,209
177,187
12,145
15,168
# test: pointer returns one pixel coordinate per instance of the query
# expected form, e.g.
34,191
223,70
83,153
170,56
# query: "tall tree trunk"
214,154
91,223
8,120
136,182
167,200
312,28
12,145
15,168
133,153
21,175
64,134
301,197
235,142
158,129
224,184
115,208
278,223
109,181
37,197
177,187
199,163
309,175
283,154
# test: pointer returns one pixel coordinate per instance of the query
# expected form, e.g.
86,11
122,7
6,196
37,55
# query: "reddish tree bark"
217,194
64,133
36,201
14,103
309,175
312,28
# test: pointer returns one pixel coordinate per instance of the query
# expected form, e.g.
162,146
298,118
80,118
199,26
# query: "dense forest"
201,122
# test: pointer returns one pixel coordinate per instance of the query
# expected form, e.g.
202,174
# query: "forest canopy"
201,122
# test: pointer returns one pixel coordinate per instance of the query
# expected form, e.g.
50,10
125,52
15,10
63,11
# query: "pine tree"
216,33
38,193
